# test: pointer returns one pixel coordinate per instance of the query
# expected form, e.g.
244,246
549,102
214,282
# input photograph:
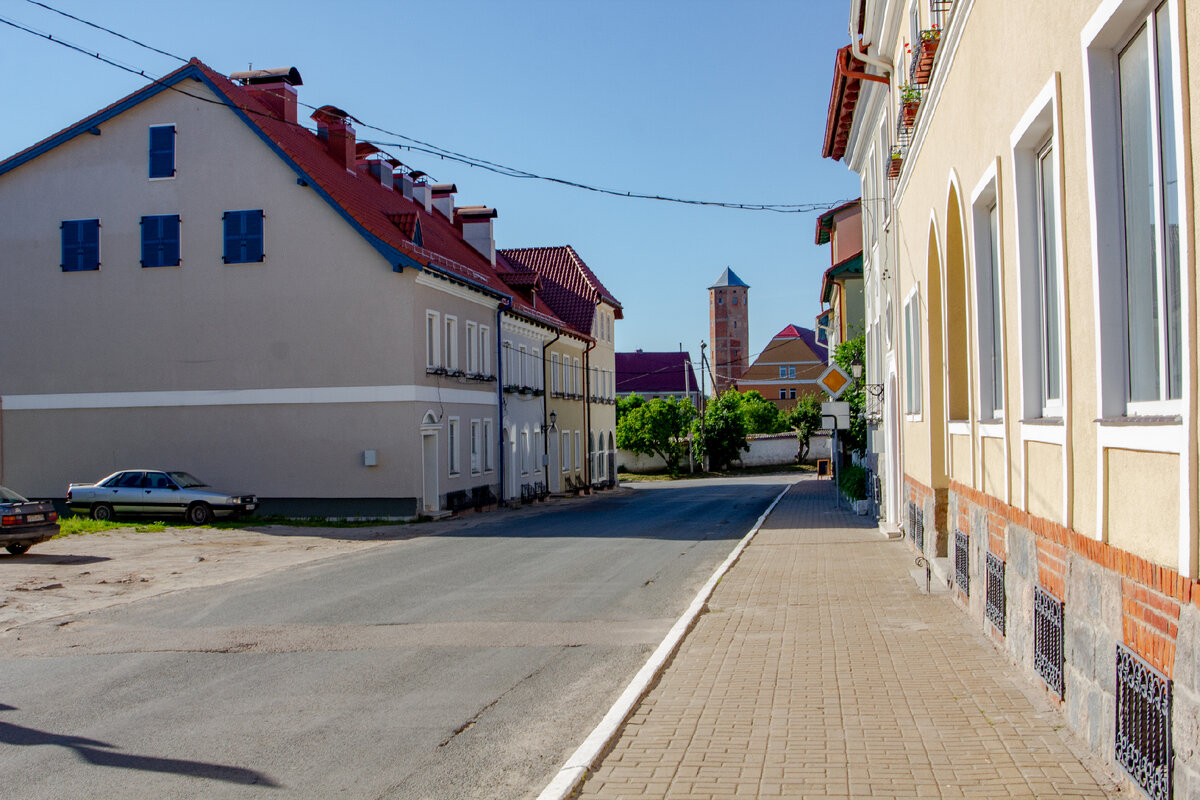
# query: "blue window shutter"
162,151
149,241
243,236
160,241
170,240
254,235
80,245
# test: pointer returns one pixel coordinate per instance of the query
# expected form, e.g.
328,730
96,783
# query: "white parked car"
157,493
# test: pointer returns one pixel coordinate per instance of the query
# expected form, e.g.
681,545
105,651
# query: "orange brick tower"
729,328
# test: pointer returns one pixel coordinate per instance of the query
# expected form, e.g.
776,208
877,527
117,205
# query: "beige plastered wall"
982,101
324,309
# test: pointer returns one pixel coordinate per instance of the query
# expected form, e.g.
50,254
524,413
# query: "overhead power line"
408,142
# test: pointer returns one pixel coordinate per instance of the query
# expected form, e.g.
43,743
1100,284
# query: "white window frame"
506,362
1111,28
476,453
450,341
523,355
554,383
564,453
485,350
537,451
913,377
452,443
524,451
487,445
987,243
576,377
472,347
1037,131
578,455
433,340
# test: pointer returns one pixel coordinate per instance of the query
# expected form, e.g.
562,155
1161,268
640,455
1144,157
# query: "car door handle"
147,491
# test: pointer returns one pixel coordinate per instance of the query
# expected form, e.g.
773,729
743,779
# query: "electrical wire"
408,142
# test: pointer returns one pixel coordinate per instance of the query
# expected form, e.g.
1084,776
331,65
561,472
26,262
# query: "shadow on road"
57,558
104,754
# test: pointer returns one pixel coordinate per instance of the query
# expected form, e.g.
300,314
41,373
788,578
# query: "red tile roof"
384,216
569,287
843,99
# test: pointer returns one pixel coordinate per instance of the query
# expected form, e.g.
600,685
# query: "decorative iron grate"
1048,638
1144,724
912,520
962,562
994,605
920,532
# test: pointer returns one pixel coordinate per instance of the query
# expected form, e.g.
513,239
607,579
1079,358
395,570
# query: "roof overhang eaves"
100,117
397,258
825,221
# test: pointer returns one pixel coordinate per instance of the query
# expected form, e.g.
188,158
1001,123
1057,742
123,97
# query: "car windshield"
186,481
9,496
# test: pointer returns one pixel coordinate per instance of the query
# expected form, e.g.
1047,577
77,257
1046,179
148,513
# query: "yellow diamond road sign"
834,380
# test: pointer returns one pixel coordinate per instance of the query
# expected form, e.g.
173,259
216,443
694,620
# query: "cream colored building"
1030,270
206,284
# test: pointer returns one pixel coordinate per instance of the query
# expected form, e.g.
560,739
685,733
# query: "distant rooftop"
729,278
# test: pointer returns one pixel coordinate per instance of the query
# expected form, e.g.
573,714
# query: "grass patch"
82,526
649,477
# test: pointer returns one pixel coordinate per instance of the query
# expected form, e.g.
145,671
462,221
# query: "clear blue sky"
703,99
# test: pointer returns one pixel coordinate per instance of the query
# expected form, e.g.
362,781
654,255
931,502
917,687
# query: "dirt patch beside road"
78,574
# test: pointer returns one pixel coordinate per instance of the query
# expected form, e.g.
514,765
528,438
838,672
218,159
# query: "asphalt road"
465,664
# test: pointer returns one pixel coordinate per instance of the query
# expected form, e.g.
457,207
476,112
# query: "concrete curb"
583,759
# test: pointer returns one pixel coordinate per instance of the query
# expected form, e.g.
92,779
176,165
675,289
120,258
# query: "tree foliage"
762,416
627,404
658,427
805,419
845,354
722,436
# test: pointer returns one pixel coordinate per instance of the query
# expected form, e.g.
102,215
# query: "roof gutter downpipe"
546,407
505,304
856,47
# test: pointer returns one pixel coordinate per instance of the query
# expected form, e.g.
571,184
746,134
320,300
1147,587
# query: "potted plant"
895,163
910,101
925,52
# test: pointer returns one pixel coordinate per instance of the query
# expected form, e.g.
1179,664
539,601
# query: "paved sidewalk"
821,671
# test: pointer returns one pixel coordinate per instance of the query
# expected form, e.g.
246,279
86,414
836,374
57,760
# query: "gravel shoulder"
79,574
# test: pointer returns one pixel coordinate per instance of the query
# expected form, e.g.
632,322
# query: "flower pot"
925,55
908,112
894,168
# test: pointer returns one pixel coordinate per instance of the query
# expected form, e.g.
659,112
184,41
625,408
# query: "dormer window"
162,151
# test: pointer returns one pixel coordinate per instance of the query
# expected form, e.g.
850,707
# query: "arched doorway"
430,499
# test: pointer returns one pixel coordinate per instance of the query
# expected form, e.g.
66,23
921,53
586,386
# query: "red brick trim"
1151,594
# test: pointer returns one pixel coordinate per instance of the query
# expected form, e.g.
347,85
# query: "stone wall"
766,449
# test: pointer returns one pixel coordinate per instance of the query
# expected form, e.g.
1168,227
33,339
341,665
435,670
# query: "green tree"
658,427
627,404
805,419
722,437
762,416
845,354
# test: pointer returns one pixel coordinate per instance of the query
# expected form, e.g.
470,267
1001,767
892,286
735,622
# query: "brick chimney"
477,229
274,88
333,126
443,198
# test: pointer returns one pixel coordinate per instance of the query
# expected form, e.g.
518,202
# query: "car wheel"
199,514
17,548
102,511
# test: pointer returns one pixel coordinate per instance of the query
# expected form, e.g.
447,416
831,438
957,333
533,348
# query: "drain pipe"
505,305
546,408
587,412
856,47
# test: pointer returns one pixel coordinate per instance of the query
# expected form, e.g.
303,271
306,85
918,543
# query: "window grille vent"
962,562
1144,724
912,520
920,533
1048,639
994,606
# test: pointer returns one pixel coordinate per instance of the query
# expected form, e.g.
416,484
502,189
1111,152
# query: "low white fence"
766,449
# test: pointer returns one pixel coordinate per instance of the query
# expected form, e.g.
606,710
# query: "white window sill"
1050,430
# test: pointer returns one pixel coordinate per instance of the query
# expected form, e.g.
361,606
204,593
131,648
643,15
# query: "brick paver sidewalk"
821,671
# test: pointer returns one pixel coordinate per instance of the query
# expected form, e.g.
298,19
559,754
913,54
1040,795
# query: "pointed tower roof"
729,278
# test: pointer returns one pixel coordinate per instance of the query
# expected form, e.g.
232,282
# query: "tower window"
735,299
